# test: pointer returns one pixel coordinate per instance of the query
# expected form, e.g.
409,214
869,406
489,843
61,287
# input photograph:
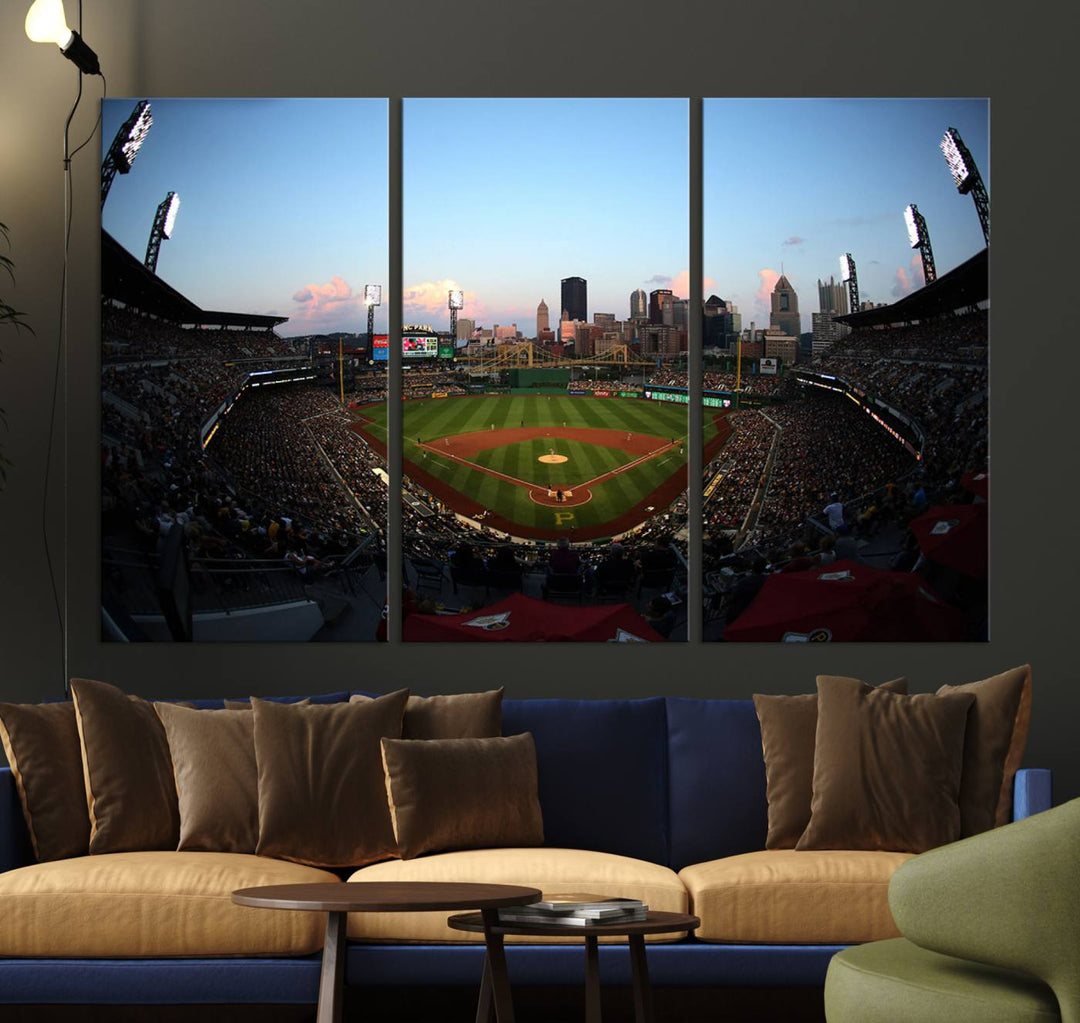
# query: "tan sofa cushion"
788,897
550,870
152,904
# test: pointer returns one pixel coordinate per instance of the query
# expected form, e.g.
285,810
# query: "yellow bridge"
525,354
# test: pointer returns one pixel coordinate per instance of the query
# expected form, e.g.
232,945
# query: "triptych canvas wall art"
548,343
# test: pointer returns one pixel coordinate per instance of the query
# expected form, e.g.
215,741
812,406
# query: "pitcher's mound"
553,459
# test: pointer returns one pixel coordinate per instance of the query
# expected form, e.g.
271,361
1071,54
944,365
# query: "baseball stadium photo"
544,456
238,313
851,499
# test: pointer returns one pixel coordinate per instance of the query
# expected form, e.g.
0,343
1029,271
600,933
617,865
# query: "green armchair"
991,930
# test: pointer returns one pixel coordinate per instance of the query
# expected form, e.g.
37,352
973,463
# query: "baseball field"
546,465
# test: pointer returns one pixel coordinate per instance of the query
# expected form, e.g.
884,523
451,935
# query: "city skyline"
265,226
859,163
498,202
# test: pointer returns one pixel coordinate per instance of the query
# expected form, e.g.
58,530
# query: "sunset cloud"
426,302
794,240
901,283
680,284
767,278
917,274
326,304
660,280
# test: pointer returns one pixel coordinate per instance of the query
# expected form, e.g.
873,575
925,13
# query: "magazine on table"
576,909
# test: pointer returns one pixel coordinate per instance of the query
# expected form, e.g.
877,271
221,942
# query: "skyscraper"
639,305
719,329
542,323
833,300
660,306
832,297
785,308
575,298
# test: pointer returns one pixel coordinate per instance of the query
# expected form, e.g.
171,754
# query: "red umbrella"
846,601
977,483
956,536
522,619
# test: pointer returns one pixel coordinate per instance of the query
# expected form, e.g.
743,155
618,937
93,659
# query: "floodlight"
956,157
845,267
170,215
46,23
372,294
967,177
135,137
457,299
126,144
912,226
920,239
164,220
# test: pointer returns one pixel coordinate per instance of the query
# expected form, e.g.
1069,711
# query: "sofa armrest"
15,847
1008,898
1032,792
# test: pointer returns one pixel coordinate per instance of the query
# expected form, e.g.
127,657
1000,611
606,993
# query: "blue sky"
505,197
799,182
283,204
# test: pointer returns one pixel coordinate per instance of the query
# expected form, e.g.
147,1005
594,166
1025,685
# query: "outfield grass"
429,419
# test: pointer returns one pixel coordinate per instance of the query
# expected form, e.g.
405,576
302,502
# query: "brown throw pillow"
788,725
217,781
322,797
246,704
886,768
127,770
456,716
997,732
42,746
463,793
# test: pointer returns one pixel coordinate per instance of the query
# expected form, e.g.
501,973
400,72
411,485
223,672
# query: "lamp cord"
61,361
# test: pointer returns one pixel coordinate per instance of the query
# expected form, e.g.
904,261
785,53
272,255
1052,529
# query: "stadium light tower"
967,176
164,221
125,146
372,298
455,299
848,274
920,239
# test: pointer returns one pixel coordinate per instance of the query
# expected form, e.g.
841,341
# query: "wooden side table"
496,979
338,900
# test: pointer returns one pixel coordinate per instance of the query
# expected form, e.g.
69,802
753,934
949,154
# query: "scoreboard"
419,346
413,346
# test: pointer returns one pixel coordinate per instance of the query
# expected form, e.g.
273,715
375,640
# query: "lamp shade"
45,23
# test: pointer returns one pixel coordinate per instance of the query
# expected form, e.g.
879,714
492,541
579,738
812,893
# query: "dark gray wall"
596,47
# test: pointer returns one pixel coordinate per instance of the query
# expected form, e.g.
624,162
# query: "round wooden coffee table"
495,977
337,900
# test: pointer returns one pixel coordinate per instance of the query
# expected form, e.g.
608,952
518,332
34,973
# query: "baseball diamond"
541,467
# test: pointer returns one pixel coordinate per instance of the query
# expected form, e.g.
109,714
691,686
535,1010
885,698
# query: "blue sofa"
667,781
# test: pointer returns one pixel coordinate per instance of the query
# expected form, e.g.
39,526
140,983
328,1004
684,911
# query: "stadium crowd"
839,481
951,338
127,335
263,489
422,383
715,380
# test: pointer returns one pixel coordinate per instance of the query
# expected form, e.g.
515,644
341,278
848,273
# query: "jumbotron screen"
419,347
412,347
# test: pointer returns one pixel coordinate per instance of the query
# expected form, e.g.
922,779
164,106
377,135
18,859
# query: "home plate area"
561,498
